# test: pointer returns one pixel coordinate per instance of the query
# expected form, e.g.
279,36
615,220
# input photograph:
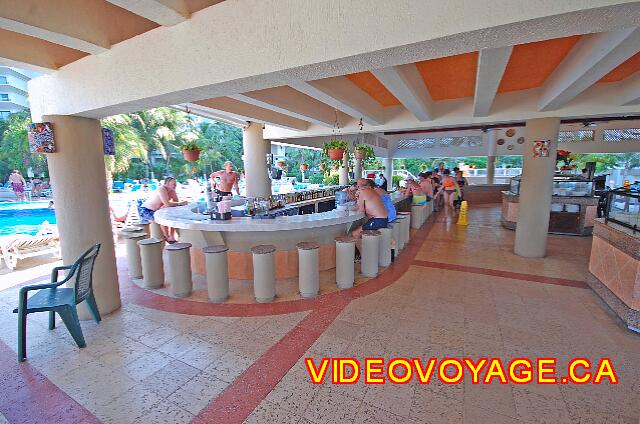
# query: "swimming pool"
24,217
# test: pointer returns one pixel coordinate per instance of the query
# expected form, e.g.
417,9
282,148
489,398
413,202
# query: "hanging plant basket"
335,154
360,154
304,167
191,155
364,151
322,166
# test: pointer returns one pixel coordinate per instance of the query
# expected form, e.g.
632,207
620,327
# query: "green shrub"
396,181
316,178
332,179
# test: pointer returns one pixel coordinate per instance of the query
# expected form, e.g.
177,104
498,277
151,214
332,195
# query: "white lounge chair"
22,246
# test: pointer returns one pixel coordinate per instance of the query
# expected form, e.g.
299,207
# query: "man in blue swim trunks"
371,204
165,196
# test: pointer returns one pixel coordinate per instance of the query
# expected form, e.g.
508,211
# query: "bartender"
224,180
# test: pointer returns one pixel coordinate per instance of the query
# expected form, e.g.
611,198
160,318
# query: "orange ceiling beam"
368,83
532,63
624,70
451,77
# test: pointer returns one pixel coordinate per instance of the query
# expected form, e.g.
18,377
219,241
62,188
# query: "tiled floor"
456,291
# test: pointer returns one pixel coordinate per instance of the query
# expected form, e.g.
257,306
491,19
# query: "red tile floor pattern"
27,396
25,399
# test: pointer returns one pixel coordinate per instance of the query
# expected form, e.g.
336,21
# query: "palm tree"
127,143
157,128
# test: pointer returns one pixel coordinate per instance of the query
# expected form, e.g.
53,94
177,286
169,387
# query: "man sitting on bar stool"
369,202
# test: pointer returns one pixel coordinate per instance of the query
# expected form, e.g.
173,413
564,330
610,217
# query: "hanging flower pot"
304,167
334,167
335,154
335,149
191,151
322,166
191,155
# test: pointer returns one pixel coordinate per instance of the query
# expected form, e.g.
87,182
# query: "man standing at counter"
372,205
164,197
224,180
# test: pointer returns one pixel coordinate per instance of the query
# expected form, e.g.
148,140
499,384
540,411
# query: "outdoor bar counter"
239,234
614,270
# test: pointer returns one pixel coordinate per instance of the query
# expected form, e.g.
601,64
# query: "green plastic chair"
63,300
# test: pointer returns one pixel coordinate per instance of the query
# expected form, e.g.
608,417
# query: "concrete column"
82,206
357,168
490,137
343,177
388,172
536,189
256,149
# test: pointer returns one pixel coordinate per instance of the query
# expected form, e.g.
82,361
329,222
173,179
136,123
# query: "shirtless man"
370,202
224,180
164,197
17,184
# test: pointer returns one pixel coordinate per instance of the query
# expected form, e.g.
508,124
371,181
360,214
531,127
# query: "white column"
343,177
357,168
388,172
82,206
256,149
490,138
536,189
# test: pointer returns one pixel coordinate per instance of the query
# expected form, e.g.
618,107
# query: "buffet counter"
614,270
568,215
573,206
284,232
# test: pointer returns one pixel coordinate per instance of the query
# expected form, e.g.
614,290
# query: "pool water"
24,217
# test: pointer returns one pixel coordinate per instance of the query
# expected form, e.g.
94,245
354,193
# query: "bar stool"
216,264
179,269
152,265
416,216
156,230
264,273
345,259
308,269
384,249
394,226
134,229
146,225
133,253
370,253
406,226
399,223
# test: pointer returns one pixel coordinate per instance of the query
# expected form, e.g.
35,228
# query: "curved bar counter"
241,233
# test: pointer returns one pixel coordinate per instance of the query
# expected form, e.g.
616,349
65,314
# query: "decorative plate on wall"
510,132
520,140
510,147
500,141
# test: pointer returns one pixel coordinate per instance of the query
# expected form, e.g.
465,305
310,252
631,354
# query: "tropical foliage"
14,148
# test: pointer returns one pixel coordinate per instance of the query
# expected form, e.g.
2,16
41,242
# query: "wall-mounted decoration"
41,138
108,142
510,132
520,140
510,147
541,148
500,141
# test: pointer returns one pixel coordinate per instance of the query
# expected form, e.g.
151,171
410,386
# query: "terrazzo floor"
454,292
